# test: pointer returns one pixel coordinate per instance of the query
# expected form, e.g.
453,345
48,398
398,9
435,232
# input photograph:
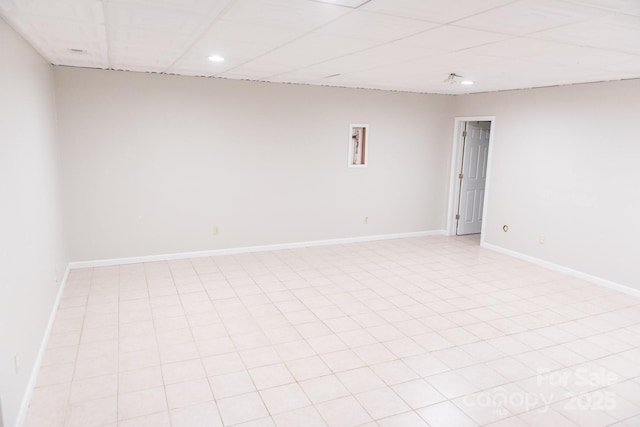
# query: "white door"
473,177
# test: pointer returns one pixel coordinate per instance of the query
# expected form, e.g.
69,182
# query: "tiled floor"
413,332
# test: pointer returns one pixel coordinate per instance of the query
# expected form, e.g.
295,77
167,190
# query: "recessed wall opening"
470,167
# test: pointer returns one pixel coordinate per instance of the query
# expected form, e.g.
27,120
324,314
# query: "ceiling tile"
450,38
226,30
237,42
461,63
313,49
53,31
303,15
152,18
234,54
384,44
129,46
392,78
561,54
375,26
152,35
259,70
123,39
618,33
347,3
529,16
379,56
58,38
78,11
433,10
631,7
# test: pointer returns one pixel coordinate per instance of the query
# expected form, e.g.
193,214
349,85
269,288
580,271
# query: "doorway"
470,167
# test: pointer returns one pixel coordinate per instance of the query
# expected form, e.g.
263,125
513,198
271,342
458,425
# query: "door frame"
456,164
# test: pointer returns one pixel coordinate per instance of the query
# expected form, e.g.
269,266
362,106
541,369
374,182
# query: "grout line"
285,266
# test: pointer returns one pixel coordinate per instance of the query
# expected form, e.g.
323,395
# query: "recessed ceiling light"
467,82
216,58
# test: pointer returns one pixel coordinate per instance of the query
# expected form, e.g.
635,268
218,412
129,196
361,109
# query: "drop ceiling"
407,45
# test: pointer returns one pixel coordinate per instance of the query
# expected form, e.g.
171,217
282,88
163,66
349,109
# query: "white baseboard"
248,249
566,270
33,378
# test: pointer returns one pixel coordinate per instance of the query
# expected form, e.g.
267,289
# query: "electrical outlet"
216,230
365,220
16,363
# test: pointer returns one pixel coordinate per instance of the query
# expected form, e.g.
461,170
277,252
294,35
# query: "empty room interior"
339,213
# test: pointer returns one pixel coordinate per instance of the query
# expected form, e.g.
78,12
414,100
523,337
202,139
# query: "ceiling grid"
406,45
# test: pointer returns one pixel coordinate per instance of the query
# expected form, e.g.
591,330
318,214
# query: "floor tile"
223,364
429,330
188,393
93,412
238,409
326,344
199,415
50,401
58,374
271,376
482,377
303,417
139,379
342,360
394,372
160,419
418,393
260,422
94,388
408,419
295,350
284,398
183,371
374,353
404,347
425,364
445,414
138,359
143,402
451,384
324,388
231,384
382,403
360,380
310,367
343,412
261,356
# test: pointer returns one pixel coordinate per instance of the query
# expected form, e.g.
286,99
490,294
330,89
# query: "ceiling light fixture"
453,78
216,58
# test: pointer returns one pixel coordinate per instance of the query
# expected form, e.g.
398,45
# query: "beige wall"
32,259
565,166
152,163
